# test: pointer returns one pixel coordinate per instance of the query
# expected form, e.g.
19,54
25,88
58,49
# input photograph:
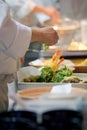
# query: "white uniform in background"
15,37
21,10
74,9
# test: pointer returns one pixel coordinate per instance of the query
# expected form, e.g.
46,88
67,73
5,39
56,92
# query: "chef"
32,13
14,41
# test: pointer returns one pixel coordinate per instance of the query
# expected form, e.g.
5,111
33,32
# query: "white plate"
23,72
41,62
35,93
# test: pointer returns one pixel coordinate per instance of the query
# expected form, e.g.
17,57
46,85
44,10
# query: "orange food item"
55,61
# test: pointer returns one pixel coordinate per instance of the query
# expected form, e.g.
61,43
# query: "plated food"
45,62
63,75
31,73
78,65
55,62
50,75
74,45
54,71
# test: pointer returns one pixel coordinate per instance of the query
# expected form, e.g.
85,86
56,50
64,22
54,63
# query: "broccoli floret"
46,75
61,73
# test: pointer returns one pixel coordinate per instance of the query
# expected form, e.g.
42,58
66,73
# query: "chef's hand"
45,35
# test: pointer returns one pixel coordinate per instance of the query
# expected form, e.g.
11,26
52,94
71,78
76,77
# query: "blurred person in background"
32,13
15,38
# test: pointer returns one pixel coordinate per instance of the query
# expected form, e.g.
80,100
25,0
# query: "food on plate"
45,47
55,61
83,63
74,45
46,74
31,79
84,81
72,79
49,75
61,73
41,62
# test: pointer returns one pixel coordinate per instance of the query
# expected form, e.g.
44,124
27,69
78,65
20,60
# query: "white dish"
27,71
35,93
41,62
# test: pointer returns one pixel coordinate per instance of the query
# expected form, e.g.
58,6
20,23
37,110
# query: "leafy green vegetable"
61,73
46,74
45,47
57,77
31,79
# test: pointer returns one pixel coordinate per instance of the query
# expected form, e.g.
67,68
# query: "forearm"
38,9
36,35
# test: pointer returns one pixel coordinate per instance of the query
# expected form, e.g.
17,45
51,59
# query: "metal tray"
22,85
66,54
27,85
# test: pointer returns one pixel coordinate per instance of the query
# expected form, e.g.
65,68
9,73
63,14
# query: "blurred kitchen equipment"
73,9
62,114
84,31
55,119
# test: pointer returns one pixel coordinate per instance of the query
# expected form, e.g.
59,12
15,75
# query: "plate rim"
37,97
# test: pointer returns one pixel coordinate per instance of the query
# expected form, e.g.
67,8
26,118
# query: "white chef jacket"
14,40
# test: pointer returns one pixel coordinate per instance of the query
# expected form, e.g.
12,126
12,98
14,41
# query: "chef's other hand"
45,35
53,13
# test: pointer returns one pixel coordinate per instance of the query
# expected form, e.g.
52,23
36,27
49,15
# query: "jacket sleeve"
14,37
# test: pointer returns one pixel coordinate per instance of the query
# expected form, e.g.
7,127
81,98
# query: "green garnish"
45,47
48,75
